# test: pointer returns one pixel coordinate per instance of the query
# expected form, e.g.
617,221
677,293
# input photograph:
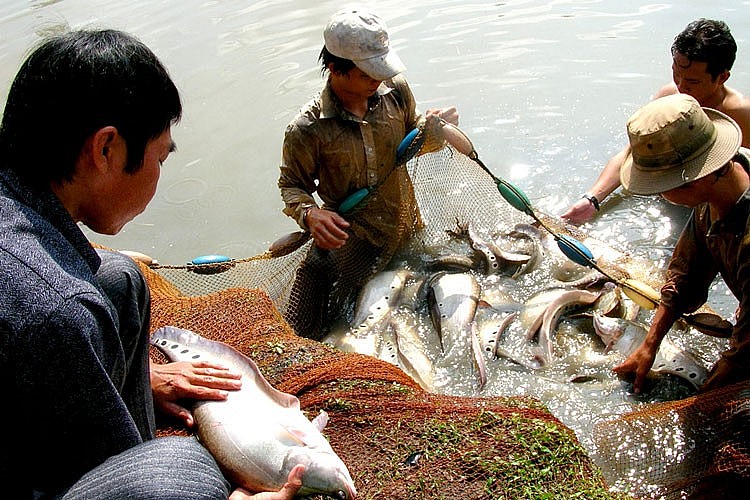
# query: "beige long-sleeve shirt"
332,152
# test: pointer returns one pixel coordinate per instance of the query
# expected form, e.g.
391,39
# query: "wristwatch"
593,200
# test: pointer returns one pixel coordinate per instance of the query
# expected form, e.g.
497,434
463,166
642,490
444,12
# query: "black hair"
708,41
73,85
340,65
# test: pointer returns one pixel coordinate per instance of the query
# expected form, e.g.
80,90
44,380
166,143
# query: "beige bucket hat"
362,37
674,141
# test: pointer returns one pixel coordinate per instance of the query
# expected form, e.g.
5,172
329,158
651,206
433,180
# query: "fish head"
325,473
610,300
608,329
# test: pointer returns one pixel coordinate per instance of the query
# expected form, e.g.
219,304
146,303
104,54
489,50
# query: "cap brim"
382,67
645,181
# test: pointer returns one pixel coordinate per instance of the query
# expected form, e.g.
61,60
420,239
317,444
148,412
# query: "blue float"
210,259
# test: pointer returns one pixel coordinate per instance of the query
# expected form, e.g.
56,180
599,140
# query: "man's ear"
105,145
723,77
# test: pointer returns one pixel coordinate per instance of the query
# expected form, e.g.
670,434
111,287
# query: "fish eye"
341,495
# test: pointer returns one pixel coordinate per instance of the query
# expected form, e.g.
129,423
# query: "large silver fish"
625,336
453,302
412,354
375,304
534,248
496,258
565,303
258,434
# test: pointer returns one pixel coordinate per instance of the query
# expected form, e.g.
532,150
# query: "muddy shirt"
705,249
61,360
332,152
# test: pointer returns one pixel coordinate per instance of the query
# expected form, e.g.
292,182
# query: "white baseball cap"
362,37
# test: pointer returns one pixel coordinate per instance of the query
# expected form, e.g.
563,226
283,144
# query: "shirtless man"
702,56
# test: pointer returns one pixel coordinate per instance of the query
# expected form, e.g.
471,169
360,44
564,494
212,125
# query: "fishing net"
451,190
698,447
402,442
398,441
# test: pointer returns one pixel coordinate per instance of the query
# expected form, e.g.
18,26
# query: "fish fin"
710,324
534,328
501,330
540,356
501,352
321,420
298,435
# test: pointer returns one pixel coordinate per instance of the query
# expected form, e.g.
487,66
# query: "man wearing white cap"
344,140
691,156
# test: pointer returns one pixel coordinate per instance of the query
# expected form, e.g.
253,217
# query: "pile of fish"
447,311
258,434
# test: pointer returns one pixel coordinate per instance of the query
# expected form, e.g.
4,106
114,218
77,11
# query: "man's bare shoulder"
737,106
735,101
666,90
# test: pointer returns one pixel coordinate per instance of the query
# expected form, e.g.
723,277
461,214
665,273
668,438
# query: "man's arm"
608,180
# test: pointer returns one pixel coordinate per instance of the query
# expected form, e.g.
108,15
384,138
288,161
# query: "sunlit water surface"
544,88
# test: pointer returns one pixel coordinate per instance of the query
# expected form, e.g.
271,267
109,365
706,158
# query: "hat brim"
382,67
645,181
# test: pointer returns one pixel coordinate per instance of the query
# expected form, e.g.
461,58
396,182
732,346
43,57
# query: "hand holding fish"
637,364
640,362
328,228
287,492
202,380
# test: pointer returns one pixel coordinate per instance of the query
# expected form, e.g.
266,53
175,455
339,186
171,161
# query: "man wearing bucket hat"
345,140
702,56
691,156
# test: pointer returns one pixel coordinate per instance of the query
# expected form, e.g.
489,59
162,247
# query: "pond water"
544,88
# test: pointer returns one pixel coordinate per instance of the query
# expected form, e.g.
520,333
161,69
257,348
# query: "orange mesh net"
698,447
397,440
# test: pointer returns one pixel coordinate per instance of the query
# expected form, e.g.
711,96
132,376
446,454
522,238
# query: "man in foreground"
85,131
691,156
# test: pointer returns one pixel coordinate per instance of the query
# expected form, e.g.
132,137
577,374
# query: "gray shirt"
61,360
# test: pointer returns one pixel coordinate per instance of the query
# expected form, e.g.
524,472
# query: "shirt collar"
48,206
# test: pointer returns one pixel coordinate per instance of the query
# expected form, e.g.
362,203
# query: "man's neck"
728,190
353,103
716,100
